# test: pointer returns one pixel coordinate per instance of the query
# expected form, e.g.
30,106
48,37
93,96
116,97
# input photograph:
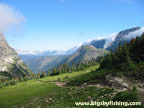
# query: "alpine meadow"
71,54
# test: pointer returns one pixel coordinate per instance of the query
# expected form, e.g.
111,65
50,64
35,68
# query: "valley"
71,54
89,74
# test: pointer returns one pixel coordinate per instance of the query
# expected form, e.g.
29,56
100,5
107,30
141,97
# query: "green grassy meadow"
45,93
35,93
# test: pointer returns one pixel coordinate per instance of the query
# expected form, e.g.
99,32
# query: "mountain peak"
87,48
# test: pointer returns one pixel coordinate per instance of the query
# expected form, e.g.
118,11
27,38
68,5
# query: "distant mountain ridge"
84,52
43,63
112,41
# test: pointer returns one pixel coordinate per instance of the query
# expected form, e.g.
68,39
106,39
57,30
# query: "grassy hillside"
49,93
70,76
34,93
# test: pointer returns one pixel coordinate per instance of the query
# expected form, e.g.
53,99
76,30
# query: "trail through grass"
25,92
47,93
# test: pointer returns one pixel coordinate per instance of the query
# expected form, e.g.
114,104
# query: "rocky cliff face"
10,63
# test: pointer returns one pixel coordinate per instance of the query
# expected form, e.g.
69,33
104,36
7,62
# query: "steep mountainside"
10,63
85,53
113,41
42,63
122,37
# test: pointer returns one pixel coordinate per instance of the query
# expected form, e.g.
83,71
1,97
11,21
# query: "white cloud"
9,17
33,52
135,34
109,39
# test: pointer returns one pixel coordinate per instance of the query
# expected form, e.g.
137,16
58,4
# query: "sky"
61,24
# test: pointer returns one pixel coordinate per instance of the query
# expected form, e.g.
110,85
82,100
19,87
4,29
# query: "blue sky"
62,24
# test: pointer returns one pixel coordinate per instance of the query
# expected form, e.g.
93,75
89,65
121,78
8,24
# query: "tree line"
66,68
127,57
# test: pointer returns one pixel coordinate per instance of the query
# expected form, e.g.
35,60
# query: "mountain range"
94,48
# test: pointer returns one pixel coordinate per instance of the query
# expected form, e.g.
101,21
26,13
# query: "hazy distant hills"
94,48
46,63
43,63
10,63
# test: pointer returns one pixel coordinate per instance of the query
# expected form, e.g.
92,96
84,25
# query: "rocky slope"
85,53
10,63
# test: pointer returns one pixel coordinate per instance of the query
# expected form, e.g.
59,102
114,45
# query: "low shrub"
129,96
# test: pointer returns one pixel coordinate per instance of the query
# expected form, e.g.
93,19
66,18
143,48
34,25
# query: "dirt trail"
58,83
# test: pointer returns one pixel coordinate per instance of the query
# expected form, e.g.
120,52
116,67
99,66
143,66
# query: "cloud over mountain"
9,17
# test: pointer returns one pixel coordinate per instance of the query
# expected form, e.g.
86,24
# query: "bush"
13,82
54,73
129,96
66,77
42,75
1,85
